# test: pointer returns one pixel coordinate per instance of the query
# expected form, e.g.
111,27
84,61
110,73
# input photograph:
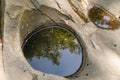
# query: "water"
54,51
102,18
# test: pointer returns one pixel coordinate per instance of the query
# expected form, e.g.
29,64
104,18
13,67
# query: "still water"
102,18
53,50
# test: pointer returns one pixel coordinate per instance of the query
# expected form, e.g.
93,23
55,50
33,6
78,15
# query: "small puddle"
102,18
54,50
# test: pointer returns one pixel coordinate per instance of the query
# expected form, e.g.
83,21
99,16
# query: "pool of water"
53,50
102,18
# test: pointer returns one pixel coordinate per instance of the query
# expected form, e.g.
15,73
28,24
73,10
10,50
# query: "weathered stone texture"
101,47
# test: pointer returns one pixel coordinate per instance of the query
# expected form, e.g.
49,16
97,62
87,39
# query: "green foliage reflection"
49,42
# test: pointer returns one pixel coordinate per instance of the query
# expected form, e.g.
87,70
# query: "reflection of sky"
102,24
69,64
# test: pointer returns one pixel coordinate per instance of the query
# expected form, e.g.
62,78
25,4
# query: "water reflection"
102,18
54,50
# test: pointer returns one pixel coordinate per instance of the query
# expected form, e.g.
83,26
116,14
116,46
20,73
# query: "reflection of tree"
49,42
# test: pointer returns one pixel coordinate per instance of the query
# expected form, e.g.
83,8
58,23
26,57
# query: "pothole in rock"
102,18
54,50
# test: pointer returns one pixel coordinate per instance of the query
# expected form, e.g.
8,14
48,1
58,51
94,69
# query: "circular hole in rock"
53,50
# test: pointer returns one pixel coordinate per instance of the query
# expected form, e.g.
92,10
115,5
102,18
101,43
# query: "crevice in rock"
79,13
53,10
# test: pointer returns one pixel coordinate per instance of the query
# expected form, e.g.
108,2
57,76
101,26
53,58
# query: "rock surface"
101,46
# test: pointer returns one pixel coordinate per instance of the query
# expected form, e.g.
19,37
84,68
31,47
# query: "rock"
101,47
